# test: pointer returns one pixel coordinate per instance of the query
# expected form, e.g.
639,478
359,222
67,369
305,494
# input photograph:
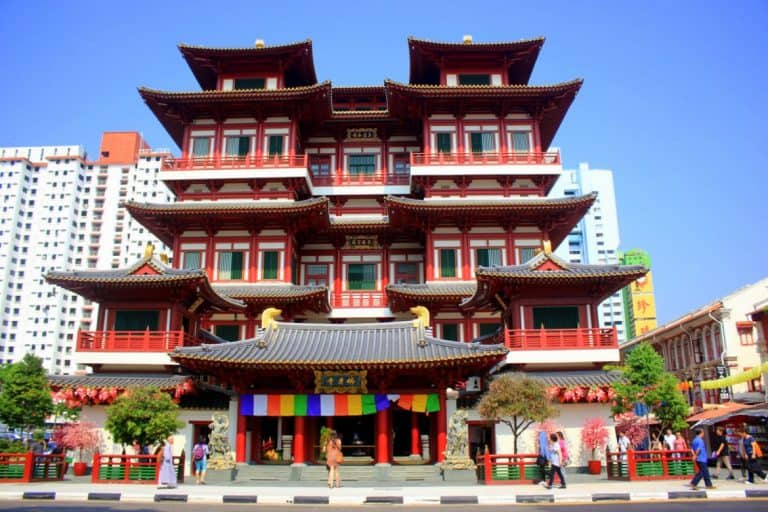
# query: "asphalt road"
752,505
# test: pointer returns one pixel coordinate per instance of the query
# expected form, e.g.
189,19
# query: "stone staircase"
266,473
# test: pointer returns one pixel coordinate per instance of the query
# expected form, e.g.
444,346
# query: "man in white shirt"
669,440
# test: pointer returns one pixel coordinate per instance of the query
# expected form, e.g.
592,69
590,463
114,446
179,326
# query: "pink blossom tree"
80,436
594,435
634,426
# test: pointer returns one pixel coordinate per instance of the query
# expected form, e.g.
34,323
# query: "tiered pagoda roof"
518,57
546,276
432,295
163,220
289,297
148,275
555,216
550,102
377,346
294,59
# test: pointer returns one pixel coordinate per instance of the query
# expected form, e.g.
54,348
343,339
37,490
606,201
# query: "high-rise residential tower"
61,210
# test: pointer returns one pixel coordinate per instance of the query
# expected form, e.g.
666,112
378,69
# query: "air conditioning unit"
473,384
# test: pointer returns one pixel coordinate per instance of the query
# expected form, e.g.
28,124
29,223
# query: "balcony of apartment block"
566,346
486,162
130,347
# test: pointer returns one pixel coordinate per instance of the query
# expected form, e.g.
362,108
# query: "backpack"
198,452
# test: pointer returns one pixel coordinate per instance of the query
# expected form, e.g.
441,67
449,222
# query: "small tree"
646,382
25,398
635,427
146,415
80,436
594,435
517,401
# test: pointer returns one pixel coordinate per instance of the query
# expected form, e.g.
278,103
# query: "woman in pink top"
563,449
680,444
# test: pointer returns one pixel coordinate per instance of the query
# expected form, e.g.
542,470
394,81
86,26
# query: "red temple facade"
310,219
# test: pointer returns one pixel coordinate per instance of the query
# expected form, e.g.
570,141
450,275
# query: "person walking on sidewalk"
200,456
753,452
555,461
722,452
542,445
333,459
167,477
699,451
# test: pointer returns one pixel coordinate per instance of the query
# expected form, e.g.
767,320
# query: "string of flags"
334,405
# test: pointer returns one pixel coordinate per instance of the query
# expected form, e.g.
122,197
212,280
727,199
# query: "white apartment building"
595,240
61,211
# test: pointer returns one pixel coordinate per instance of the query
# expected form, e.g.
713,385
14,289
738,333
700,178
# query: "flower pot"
80,468
594,467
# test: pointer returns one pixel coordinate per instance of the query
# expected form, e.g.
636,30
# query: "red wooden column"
299,431
430,253
240,438
288,263
210,254
382,437
442,422
415,439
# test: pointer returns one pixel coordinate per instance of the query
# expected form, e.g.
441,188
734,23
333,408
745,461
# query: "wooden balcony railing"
359,300
495,158
133,341
228,162
559,339
343,178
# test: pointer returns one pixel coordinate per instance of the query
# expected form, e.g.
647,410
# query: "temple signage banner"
362,134
362,242
341,382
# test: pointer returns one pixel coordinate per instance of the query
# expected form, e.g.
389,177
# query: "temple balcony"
561,346
129,348
370,299
484,163
228,167
342,182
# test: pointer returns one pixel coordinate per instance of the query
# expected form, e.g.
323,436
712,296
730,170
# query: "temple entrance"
407,428
481,436
357,434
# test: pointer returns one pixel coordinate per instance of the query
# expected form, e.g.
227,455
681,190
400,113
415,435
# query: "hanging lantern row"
80,396
729,381
581,394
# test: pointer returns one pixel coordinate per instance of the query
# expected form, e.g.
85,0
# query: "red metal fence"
31,467
131,469
519,468
133,341
650,465
557,339
227,162
359,300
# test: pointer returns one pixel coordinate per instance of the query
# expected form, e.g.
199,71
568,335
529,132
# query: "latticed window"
269,264
447,262
249,83
137,320
275,146
487,328
230,265
201,147
521,142
526,253
407,273
482,142
317,275
227,332
361,276
443,141
192,259
237,146
320,165
474,79
362,164
488,257
450,332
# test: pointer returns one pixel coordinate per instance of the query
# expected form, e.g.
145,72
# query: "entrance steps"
349,473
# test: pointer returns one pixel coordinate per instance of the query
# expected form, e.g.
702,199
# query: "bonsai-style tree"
646,382
25,398
79,437
594,435
517,401
146,415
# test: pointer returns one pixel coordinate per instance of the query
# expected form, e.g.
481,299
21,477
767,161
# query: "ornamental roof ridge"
492,202
235,92
361,113
500,88
226,205
462,44
183,45
164,271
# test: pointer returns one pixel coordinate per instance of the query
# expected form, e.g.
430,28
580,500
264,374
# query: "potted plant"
79,437
594,435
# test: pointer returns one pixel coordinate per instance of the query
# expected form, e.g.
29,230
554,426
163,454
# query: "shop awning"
713,416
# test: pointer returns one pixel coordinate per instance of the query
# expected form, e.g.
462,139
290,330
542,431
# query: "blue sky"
674,99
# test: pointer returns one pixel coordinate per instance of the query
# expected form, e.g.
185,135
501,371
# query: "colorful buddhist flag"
354,405
419,403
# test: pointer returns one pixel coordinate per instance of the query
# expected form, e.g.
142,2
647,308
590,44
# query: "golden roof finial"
422,315
468,39
547,247
164,257
268,317
149,250
259,43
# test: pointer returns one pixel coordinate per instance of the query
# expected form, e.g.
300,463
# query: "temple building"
359,258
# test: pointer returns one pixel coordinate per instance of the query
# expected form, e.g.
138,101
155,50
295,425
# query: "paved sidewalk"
356,494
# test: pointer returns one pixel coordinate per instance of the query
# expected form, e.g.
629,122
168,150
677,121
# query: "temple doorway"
357,434
404,446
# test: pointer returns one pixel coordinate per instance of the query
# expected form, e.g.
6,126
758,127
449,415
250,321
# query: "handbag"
339,457
541,460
